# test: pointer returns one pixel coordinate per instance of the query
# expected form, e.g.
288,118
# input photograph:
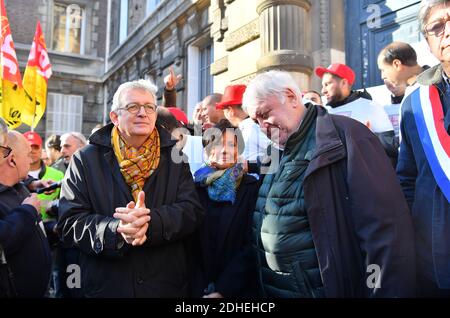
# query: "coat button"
98,246
140,281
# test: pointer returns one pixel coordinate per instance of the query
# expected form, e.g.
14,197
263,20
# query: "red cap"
33,138
232,96
341,70
179,114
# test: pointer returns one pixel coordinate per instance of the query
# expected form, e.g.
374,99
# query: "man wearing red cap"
39,171
255,141
337,82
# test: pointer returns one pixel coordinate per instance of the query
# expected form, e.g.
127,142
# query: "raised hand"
172,80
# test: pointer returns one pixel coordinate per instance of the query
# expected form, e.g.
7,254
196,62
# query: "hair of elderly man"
78,136
14,140
142,84
271,83
424,11
3,132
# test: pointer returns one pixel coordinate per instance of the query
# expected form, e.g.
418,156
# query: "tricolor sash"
429,117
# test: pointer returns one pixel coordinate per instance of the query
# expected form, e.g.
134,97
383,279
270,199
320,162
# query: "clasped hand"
134,221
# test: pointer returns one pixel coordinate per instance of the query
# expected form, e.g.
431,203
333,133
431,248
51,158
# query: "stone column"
285,38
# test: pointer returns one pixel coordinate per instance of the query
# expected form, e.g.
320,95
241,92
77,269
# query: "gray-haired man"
127,206
333,215
424,160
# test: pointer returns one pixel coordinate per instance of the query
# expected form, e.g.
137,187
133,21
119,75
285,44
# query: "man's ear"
231,111
291,95
345,84
397,64
114,118
11,161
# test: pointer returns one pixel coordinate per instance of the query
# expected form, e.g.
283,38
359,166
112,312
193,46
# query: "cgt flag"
11,97
35,79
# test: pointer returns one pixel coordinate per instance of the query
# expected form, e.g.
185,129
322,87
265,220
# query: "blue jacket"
25,245
430,209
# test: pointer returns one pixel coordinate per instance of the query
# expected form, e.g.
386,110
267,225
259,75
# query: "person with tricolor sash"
424,160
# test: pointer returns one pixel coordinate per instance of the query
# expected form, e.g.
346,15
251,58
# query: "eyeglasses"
5,151
437,27
134,108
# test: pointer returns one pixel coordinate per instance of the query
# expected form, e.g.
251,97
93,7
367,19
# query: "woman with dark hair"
224,264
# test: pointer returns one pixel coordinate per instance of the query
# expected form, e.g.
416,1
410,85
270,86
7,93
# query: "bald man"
21,238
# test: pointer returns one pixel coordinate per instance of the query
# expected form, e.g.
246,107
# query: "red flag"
11,82
37,73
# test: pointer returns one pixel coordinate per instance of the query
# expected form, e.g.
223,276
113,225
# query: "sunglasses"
5,151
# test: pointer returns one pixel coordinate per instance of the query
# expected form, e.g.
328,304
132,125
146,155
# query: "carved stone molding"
244,80
287,60
192,22
219,66
264,4
219,22
324,31
243,35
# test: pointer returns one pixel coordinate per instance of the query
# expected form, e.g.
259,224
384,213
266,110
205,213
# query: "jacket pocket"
305,288
289,183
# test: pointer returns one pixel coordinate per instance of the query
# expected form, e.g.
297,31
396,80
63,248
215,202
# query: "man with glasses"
22,241
424,160
127,206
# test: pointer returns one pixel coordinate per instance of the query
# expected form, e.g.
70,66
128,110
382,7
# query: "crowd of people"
267,192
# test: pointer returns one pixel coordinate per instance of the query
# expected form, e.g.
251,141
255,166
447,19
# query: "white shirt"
34,173
393,112
365,111
193,149
256,142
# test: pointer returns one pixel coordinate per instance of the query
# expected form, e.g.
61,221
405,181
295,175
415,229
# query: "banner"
35,79
11,98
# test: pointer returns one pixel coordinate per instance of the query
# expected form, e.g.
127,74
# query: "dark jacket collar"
354,95
297,138
3,188
102,137
431,76
17,187
329,146
43,170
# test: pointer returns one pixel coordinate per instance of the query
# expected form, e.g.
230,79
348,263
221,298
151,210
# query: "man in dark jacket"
332,221
424,160
21,237
128,206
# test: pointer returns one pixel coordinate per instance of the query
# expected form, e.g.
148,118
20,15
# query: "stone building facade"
244,37
75,90
212,43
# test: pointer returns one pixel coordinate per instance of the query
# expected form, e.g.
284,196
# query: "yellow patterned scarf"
136,165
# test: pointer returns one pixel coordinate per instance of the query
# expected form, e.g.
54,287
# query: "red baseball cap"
33,138
340,70
179,114
232,96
